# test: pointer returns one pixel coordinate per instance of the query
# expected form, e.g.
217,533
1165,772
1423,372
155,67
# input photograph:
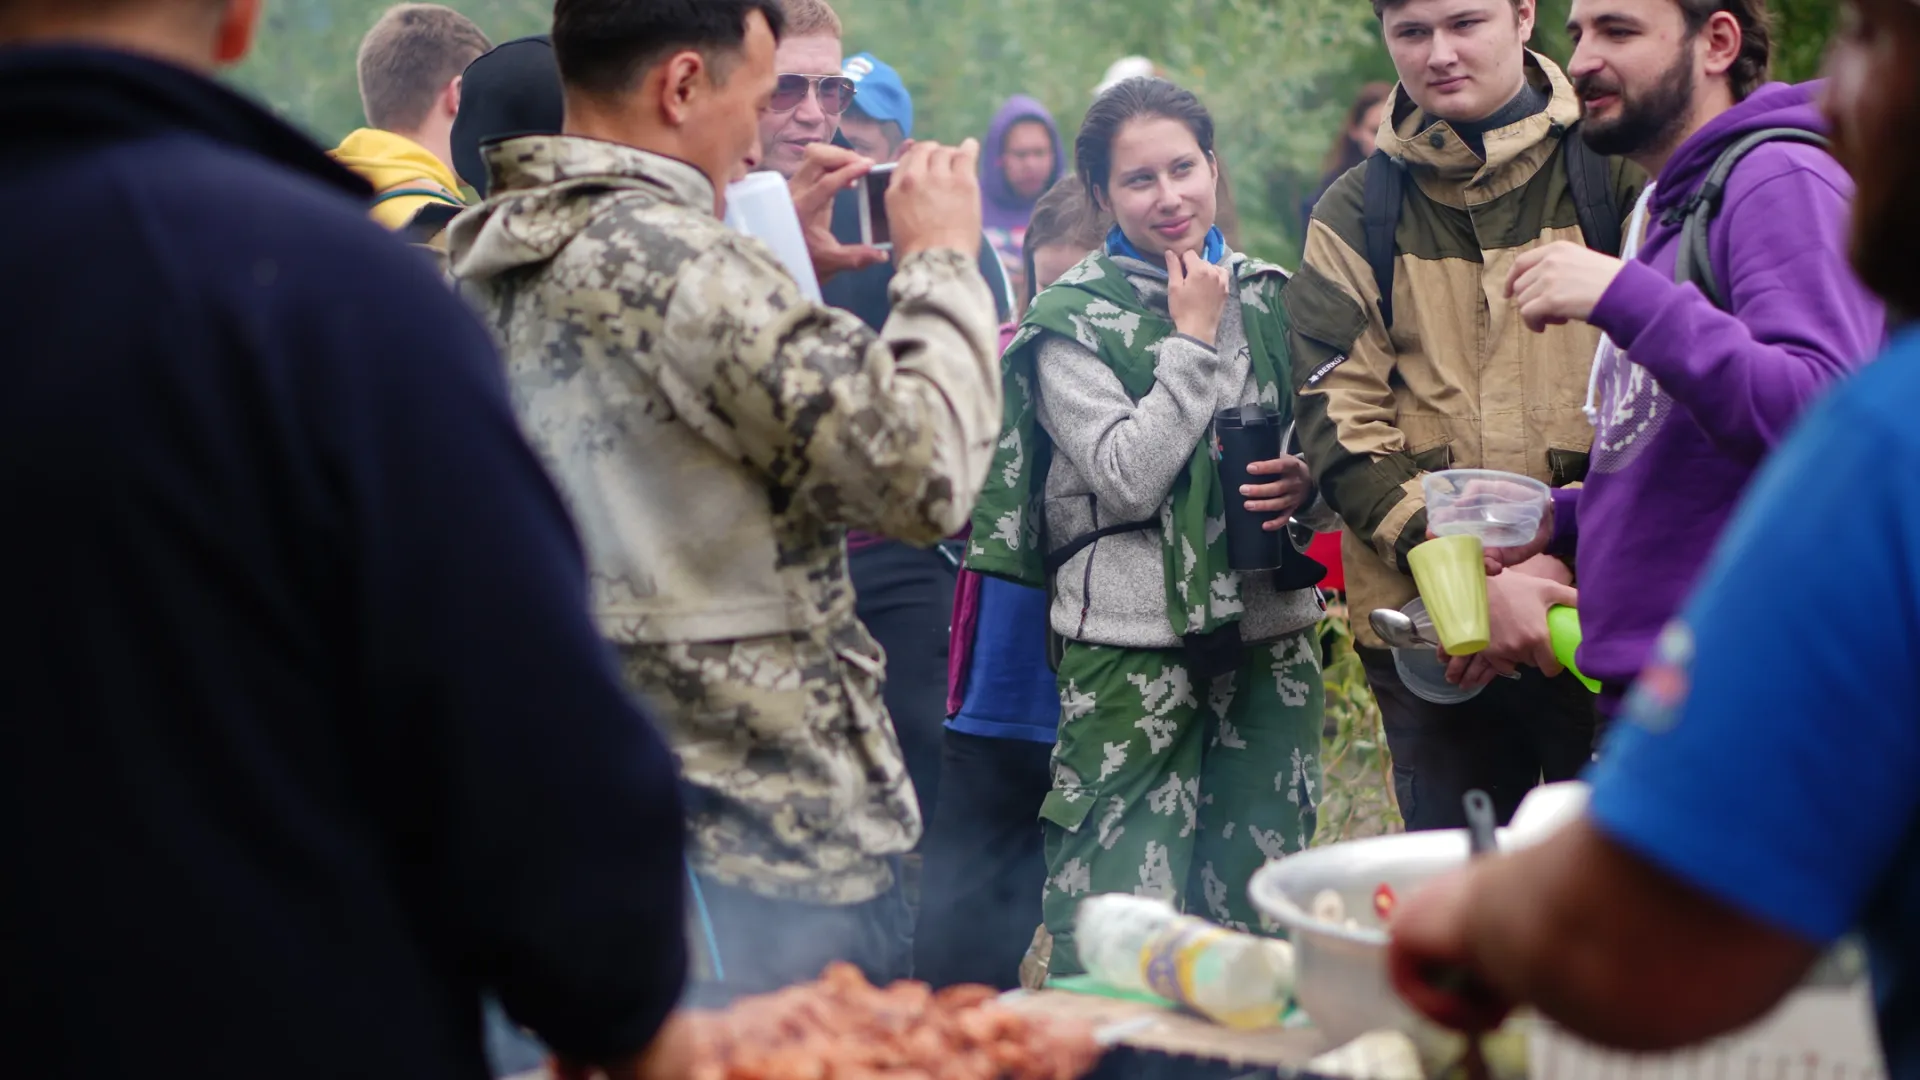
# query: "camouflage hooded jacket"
715,434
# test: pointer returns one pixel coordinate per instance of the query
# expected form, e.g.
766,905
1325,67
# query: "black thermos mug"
1246,434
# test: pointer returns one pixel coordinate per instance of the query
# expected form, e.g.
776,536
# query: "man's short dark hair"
1381,7
604,46
409,56
1750,68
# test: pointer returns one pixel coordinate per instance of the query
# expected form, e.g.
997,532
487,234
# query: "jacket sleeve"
1800,318
530,800
1317,515
1343,365
1130,452
891,433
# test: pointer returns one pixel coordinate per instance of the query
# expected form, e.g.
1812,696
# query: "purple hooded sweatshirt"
1700,396
1006,214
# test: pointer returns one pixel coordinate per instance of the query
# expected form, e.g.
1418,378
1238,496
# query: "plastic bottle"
1138,943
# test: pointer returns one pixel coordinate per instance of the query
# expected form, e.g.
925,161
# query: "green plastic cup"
1451,574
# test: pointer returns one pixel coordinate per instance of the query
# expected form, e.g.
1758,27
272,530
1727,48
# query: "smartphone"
875,229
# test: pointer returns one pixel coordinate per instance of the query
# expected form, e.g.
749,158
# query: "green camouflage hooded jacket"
715,434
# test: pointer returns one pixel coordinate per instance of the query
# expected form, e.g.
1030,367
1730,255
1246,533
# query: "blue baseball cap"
878,91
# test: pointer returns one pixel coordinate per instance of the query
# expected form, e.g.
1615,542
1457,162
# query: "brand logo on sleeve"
1325,369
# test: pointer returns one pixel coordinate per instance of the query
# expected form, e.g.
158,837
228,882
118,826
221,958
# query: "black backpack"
1697,213
1588,176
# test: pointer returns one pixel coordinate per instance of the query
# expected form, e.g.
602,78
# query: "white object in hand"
761,206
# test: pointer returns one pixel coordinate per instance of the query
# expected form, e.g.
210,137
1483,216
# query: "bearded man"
1732,836
1702,372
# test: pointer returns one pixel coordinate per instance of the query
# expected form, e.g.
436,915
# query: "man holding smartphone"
716,434
905,594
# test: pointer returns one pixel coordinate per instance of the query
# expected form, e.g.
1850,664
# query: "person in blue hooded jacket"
1020,160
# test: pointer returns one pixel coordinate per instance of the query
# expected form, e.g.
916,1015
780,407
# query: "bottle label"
1175,964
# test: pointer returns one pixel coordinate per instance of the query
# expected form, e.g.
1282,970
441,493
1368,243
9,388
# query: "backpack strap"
1056,560
1590,180
1381,202
428,223
416,193
1696,257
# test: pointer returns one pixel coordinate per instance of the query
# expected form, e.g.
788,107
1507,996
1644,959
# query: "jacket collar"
534,161
58,100
1446,168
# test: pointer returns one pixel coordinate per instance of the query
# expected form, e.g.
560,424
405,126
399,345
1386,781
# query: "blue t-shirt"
1011,692
1770,755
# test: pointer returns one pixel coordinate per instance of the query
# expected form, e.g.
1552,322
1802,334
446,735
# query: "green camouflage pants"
1157,794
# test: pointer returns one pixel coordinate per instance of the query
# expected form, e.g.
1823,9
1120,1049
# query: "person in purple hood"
1021,160
1688,395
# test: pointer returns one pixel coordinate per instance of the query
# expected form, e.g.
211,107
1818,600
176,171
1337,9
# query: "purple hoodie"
1706,395
1006,213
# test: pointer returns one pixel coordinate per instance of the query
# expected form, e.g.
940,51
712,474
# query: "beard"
1648,121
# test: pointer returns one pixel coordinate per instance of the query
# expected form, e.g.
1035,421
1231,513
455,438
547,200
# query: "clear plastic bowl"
1421,670
1502,509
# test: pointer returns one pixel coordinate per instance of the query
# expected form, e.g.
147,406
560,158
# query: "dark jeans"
767,944
1506,741
904,595
985,865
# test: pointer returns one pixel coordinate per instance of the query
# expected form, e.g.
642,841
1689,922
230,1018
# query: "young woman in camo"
1190,694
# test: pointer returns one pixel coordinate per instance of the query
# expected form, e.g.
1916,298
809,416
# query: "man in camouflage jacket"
716,434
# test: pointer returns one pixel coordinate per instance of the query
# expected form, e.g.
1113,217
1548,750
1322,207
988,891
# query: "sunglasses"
834,91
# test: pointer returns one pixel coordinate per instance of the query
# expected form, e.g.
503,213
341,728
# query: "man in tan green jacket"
1445,375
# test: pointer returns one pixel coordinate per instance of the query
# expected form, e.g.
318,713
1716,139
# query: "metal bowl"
1340,973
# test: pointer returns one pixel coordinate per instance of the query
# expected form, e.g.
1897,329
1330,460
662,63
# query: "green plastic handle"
1563,628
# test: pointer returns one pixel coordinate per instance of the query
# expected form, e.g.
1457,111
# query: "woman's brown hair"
1063,216
1344,154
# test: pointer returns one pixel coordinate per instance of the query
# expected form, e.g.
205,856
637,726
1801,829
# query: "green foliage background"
1277,73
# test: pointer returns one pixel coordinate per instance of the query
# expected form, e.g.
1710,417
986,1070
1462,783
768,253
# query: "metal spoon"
1481,842
1398,630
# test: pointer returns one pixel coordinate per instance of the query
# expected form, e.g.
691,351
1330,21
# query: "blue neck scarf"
1118,244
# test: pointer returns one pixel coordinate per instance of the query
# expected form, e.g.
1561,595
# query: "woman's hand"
1196,295
1287,493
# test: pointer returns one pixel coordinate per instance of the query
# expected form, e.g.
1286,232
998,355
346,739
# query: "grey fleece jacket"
1115,461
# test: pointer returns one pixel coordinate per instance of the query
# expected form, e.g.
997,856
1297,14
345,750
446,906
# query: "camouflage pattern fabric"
797,771
715,434
1095,305
1163,788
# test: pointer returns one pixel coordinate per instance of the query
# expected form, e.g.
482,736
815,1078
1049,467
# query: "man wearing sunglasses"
810,94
